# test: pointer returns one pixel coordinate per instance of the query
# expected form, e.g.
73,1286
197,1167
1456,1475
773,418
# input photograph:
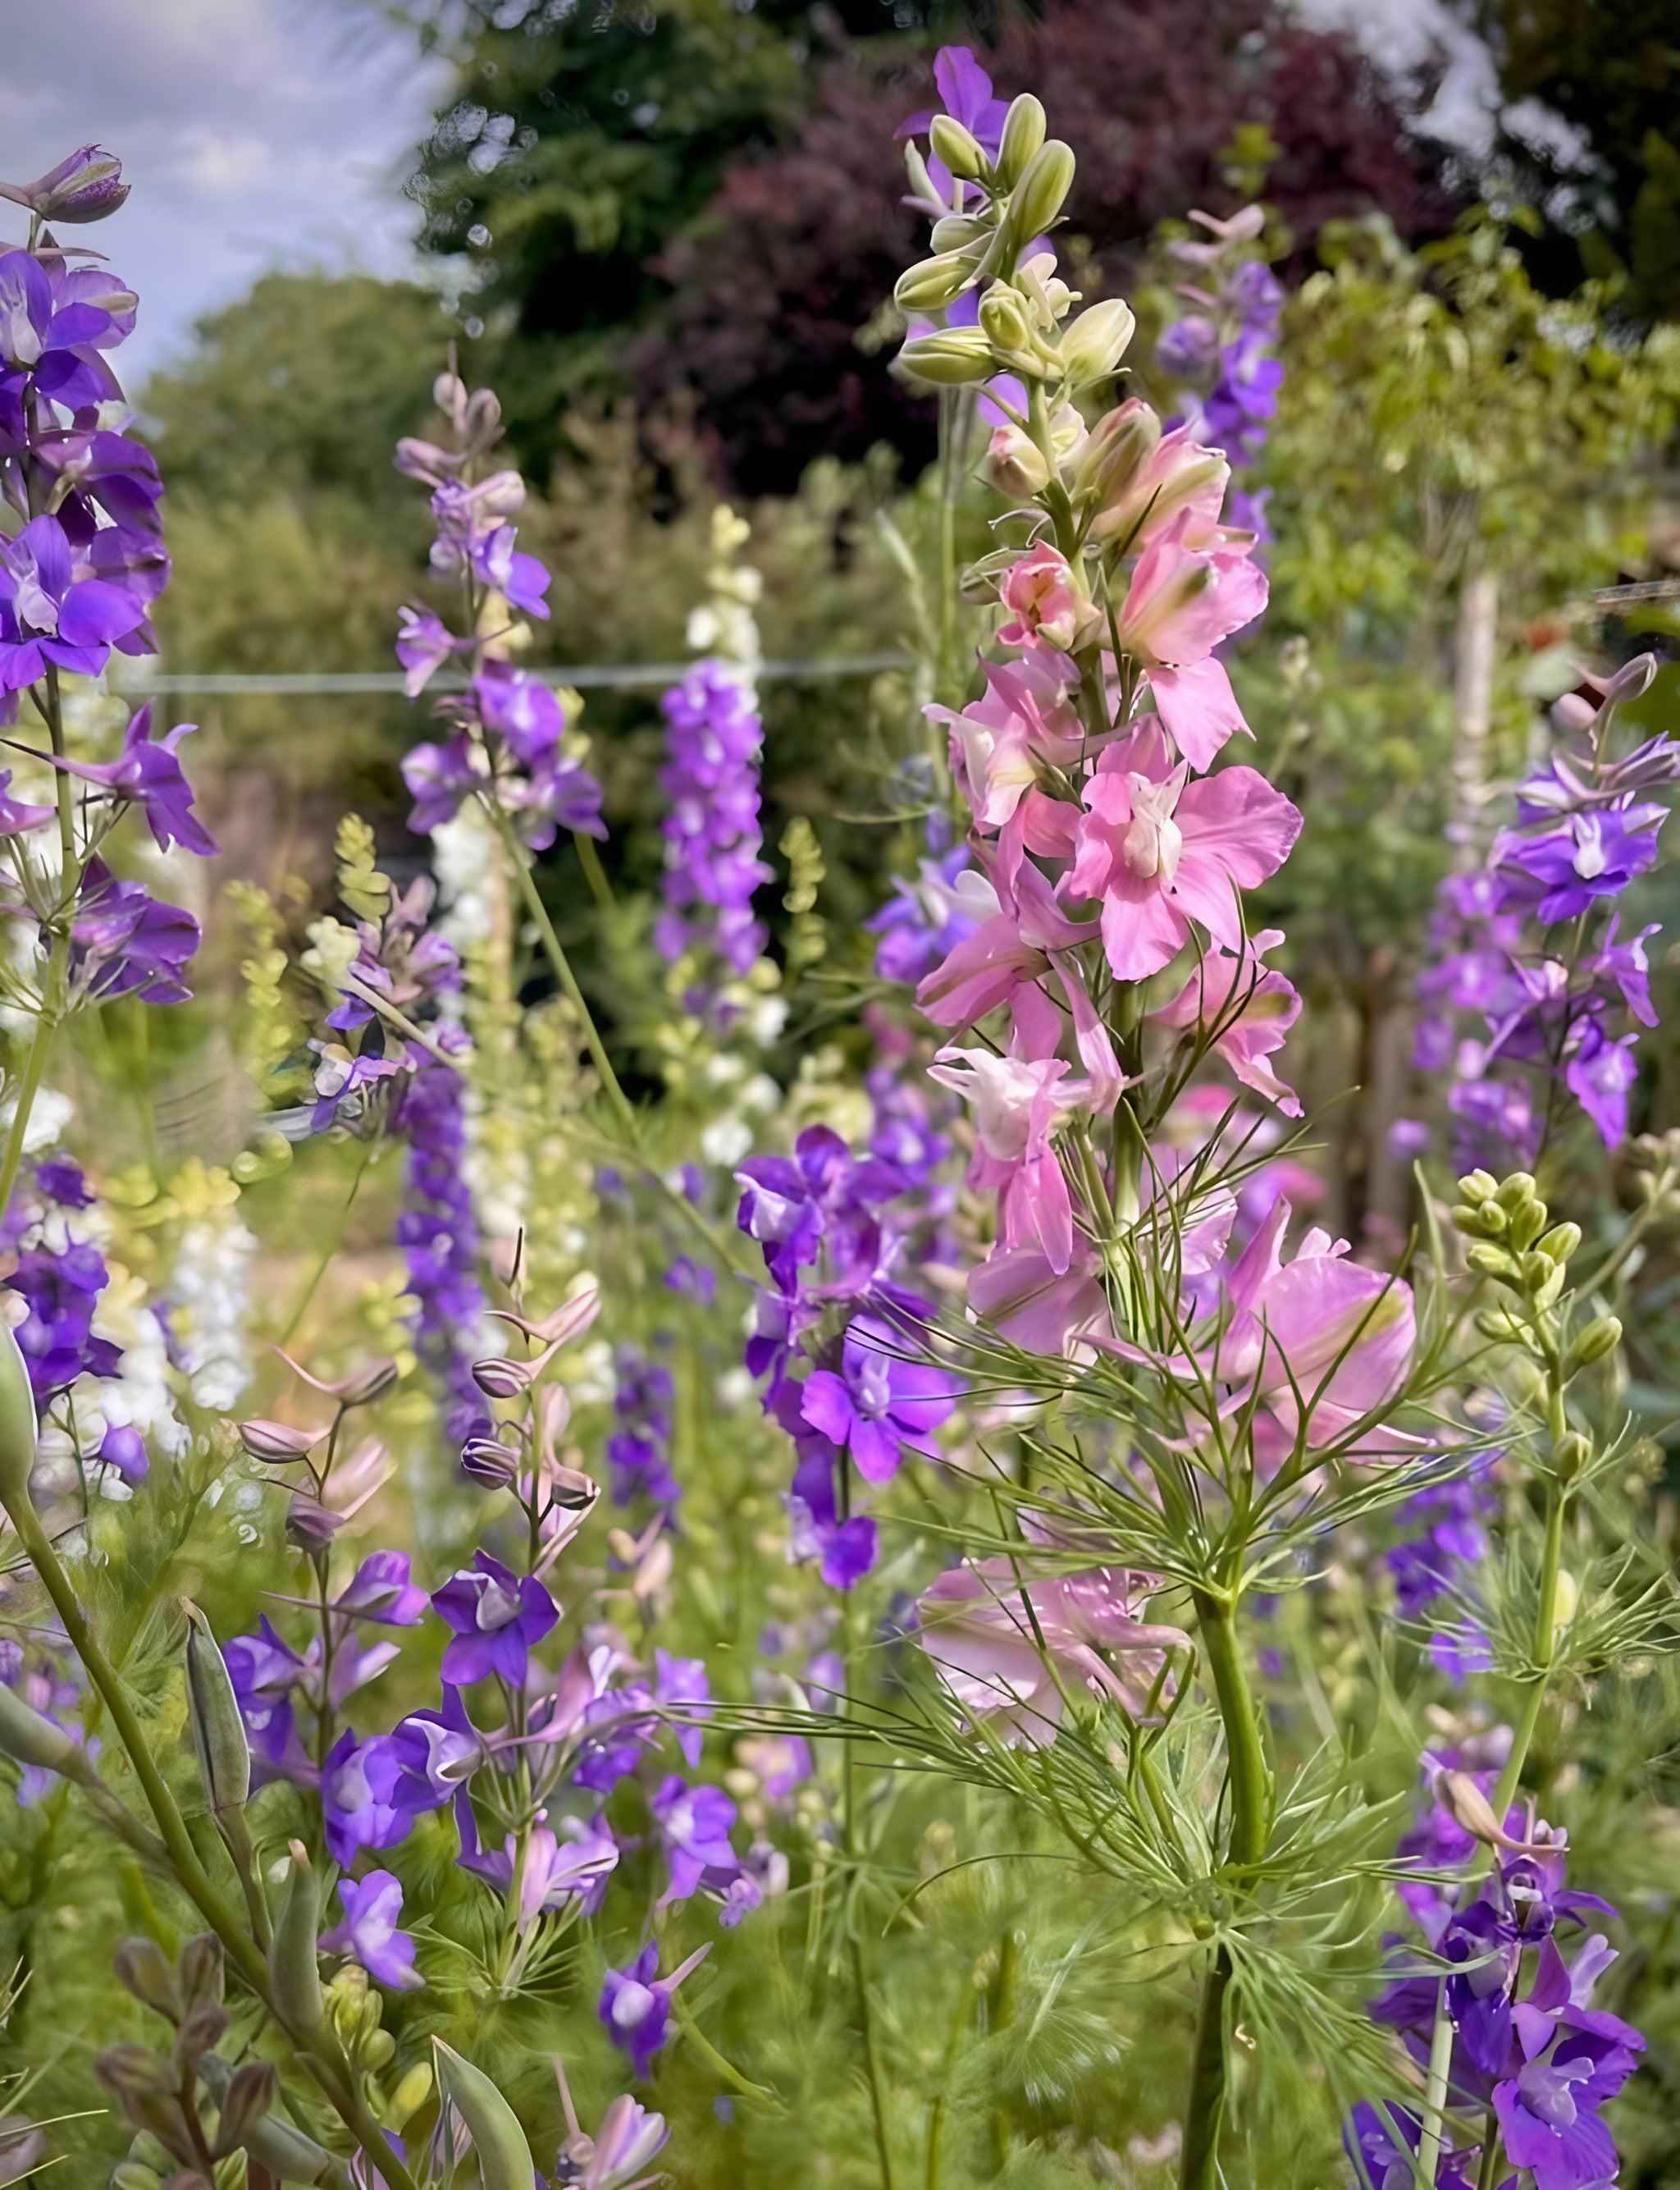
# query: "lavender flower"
1221,351
713,741
1519,945
639,1449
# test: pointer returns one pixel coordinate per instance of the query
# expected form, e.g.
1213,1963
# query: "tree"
702,199
1610,182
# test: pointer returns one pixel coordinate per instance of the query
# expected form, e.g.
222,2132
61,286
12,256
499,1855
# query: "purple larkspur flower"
148,773
439,778
62,1289
638,1451
381,1589
52,612
574,1864
124,942
636,2004
693,1825
438,1231
878,1403
353,1816
924,921
367,1930
846,1548
86,186
18,816
496,1616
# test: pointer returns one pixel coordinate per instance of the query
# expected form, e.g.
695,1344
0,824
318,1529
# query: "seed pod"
935,282
959,148
293,1969
219,1741
17,1423
1601,1336
1560,1242
1042,191
955,357
1094,345
504,2156
1023,134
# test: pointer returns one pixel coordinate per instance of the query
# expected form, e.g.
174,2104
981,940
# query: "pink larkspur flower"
1159,851
1251,1005
1194,585
1014,1672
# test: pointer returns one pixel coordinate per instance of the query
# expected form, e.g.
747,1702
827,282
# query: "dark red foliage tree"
774,331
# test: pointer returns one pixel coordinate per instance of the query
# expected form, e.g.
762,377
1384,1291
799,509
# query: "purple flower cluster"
79,575
438,1234
834,1330
1530,944
507,730
1531,2055
1222,350
638,1451
924,921
713,741
1434,1561
60,1278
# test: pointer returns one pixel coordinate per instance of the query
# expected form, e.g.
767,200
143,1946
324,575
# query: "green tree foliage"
1610,69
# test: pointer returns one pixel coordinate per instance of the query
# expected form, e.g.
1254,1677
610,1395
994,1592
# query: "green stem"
30,1086
561,966
1248,1781
593,872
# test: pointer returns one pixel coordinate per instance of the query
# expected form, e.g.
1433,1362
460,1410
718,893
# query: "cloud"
254,133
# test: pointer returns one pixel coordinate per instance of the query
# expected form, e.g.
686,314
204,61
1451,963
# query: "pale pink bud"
277,1443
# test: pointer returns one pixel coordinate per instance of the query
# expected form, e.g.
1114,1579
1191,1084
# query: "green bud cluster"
356,2013
1023,307
1506,1222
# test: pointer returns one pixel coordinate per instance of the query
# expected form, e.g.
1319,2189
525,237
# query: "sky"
273,132
254,133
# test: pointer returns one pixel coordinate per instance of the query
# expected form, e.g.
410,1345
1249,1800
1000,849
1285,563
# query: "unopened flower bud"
131,2174
1570,1455
1004,317
87,186
1546,1292
1537,1269
1478,1186
219,1741
1572,713
17,1423
1567,1603
1528,1222
1094,345
1632,678
1490,1260
1023,134
1560,1242
498,2142
957,228
501,1377
142,1968
410,2096
954,357
959,148
275,1444
1042,191
488,1461
1500,1326
1601,1336
1016,464
294,1971
935,283
1483,1220
1514,1190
